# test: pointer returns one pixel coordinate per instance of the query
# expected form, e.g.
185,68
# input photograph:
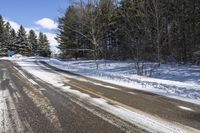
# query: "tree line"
22,43
159,31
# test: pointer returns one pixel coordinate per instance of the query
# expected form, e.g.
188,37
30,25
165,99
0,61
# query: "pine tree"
13,40
41,43
32,38
44,48
2,37
68,39
23,46
143,30
7,34
107,18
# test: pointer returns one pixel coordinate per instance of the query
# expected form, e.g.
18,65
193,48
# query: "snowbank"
180,82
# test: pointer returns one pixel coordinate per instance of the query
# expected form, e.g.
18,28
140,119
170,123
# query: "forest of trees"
161,31
22,43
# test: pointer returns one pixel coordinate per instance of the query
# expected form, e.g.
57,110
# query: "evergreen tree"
44,48
32,38
13,40
22,44
8,44
69,40
107,18
143,30
2,37
64,37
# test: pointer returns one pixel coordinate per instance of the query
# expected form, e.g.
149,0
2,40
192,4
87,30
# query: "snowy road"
35,97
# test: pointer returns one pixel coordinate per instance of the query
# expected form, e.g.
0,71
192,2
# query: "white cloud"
47,23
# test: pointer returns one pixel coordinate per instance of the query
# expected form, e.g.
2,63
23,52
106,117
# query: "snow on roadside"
133,116
179,82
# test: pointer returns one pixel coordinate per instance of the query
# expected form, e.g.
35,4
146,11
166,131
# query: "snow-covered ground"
180,82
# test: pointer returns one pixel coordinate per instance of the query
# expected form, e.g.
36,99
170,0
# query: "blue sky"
40,15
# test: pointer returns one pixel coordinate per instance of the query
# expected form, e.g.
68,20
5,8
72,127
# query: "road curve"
30,104
33,106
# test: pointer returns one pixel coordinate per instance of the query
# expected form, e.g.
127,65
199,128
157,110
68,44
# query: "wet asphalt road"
42,108
29,108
